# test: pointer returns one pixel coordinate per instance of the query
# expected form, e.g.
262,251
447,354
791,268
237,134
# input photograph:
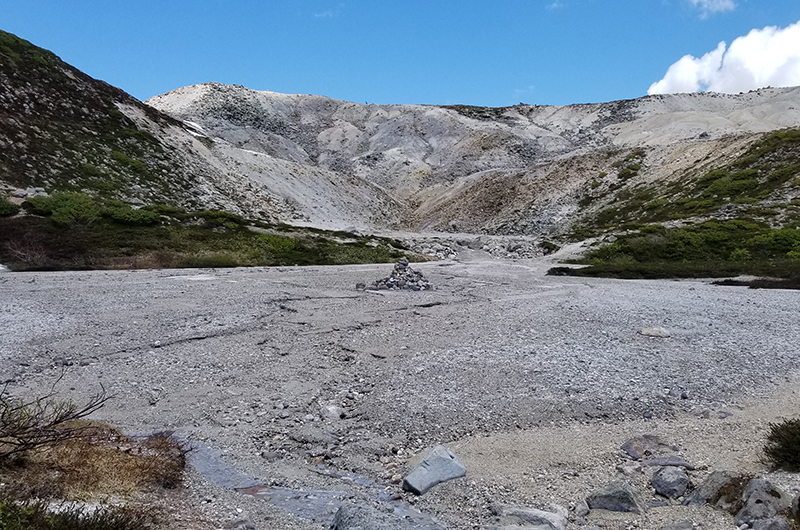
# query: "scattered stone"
332,412
618,496
670,481
629,468
762,501
647,445
582,509
271,456
358,517
440,465
796,507
679,525
655,332
242,523
403,277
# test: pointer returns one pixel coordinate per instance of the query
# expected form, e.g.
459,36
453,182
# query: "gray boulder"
762,501
440,465
618,496
670,481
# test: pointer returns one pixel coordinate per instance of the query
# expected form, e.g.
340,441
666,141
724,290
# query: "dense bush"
66,207
783,445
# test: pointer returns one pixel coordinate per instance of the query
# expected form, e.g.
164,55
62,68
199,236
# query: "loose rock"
617,497
527,517
440,465
647,445
358,517
670,481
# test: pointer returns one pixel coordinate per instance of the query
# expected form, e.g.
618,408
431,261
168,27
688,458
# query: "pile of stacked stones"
402,277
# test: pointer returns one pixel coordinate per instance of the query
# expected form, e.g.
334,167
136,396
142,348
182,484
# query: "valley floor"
304,382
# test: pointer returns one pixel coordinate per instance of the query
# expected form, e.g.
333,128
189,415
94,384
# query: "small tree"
46,421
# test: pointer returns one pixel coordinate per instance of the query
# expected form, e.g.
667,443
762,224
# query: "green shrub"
7,207
126,215
783,445
741,254
66,207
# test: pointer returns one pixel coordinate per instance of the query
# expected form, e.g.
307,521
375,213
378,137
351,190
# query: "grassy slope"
742,218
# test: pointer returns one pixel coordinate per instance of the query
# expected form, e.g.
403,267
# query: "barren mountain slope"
522,169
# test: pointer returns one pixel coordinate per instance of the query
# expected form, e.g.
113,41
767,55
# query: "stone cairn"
402,277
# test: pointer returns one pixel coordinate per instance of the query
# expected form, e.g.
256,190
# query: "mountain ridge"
488,170
533,170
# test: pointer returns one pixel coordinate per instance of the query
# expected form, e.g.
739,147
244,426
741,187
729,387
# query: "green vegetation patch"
72,230
710,249
771,164
7,207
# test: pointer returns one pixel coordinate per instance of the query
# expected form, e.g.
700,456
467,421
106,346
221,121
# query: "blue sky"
489,53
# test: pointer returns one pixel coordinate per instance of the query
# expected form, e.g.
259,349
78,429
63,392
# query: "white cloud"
709,7
554,5
763,57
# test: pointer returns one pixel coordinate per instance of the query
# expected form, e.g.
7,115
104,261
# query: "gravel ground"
302,381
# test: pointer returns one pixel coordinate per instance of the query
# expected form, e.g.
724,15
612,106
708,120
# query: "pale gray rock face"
514,170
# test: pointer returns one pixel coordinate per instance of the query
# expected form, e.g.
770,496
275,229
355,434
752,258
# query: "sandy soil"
301,381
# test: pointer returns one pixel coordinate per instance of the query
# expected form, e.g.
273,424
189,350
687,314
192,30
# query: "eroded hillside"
535,170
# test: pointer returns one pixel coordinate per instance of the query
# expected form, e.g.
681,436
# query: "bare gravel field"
305,383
